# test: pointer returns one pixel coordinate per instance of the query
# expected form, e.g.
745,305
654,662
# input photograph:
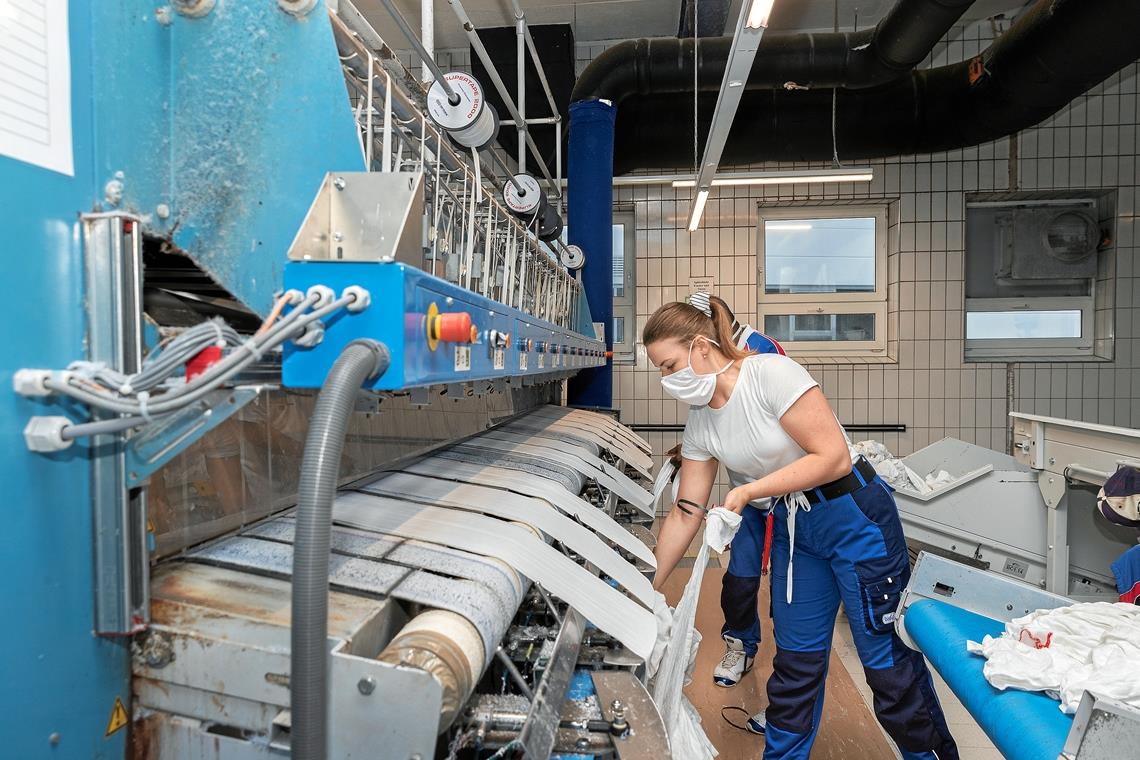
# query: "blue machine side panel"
57,676
261,114
231,120
402,297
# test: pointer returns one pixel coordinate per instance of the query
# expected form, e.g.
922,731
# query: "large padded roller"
534,512
1023,725
486,610
606,475
441,560
604,606
550,492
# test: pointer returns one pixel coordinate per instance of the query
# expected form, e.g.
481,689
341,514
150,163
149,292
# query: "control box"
435,332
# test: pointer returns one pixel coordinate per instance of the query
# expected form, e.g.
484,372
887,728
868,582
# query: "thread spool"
472,122
549,225
527,200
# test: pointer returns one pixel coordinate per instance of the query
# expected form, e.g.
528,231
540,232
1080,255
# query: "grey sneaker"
733,665
757,722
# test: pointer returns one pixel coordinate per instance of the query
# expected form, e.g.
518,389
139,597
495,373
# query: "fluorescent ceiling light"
820,176
698,209
785,227
758,14
749,30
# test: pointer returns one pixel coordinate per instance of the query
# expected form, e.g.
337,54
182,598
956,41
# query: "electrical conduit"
360,361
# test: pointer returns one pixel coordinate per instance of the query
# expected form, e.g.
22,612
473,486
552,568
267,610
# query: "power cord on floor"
729,722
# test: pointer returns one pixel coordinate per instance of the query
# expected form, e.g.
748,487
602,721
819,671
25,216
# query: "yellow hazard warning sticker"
118,717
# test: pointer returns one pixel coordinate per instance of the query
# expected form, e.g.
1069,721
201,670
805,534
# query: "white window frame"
790,304
1036,349
626,306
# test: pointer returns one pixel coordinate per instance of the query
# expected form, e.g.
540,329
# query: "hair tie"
700,301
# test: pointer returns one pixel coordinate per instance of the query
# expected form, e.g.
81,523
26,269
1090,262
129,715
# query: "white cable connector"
31,383
314,334
45,434
361,298
325,296
293,296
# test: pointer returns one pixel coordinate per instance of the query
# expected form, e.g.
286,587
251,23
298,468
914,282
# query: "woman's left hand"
737,499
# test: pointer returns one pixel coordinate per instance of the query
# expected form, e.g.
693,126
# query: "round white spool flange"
469,122
528,201
572,257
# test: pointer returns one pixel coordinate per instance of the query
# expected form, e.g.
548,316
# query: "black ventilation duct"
889,50
1054,51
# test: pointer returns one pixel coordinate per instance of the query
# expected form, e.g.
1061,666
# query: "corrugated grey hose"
308,681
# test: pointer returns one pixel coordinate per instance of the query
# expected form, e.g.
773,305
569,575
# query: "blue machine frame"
507,341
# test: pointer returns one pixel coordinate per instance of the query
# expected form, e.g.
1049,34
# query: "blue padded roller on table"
1023,725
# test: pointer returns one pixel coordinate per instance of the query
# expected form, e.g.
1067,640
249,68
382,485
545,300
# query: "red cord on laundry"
1037,642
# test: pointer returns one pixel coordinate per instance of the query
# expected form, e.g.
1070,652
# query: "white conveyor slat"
558,442
515,507
596,418
552,493
628,454
604,606
618,482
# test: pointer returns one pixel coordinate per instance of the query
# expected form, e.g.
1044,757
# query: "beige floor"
848,724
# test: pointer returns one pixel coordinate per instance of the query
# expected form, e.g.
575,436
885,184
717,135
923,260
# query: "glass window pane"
619,330
819,255
822,327
619,260
999,325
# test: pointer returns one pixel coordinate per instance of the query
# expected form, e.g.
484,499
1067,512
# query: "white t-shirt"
745,434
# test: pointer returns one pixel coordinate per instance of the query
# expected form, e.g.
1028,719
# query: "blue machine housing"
402,297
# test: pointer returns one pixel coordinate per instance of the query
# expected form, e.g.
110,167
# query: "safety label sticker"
500,359
522,362
118,717
462,358
541,361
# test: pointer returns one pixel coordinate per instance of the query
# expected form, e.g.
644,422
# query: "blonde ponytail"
684,322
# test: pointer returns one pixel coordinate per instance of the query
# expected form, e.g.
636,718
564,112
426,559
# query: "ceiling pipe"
856,60
1055,51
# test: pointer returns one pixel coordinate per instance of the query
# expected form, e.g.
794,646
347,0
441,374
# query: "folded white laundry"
1066,651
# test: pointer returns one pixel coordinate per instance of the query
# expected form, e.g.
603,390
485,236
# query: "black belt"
845,485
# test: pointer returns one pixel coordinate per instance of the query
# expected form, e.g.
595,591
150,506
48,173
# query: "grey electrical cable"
320,465
167,358
102,427
208,381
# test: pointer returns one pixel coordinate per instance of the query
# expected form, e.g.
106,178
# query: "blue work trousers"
741,585
850,548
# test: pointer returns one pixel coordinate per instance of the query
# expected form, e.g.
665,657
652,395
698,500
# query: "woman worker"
837,533
740,586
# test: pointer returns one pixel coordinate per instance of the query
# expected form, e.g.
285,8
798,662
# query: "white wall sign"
702,285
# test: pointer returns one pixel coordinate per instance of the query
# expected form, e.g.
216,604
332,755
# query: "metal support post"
113,253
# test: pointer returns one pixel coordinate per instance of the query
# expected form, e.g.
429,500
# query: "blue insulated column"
589,185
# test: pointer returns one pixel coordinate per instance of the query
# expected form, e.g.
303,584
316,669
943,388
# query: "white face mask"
687,386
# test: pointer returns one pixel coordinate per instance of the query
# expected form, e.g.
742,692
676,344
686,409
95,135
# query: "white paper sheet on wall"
35,83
